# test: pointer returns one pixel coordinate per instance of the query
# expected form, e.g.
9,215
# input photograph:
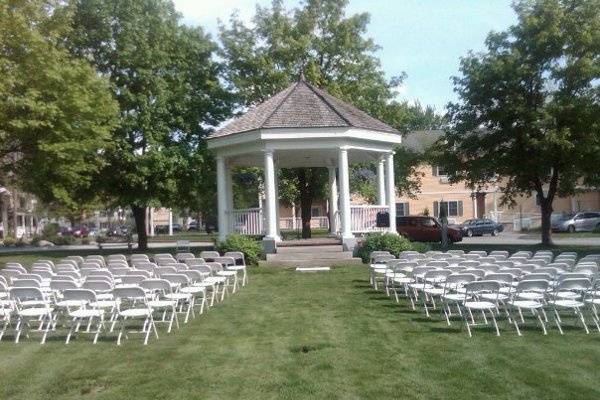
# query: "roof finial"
302,78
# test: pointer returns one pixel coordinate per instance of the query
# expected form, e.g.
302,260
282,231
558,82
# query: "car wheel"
571,228
469,233
495,232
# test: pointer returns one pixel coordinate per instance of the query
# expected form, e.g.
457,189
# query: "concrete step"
326,262
309,242
310,249
310,256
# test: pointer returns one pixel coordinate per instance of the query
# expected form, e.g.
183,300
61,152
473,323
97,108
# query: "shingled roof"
302,105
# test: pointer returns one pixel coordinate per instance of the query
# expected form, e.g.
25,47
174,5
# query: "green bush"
35,240
20,243
9,241
420,247
395,244
596,229
50,231
85,240
62,240
249,246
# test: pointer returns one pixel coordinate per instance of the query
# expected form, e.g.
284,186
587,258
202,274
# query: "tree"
332,51
167,86
529,111
56,113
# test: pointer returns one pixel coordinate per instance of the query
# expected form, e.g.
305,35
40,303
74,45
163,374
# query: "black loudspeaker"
383,220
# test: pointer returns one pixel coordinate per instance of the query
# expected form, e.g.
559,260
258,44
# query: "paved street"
520,238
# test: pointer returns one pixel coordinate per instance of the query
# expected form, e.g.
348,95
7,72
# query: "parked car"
164,229
80,231
581,222
193,226
420,228
480,227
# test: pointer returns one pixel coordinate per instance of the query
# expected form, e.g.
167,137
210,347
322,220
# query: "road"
520,238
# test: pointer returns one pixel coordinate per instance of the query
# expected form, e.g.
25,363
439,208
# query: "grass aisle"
293,336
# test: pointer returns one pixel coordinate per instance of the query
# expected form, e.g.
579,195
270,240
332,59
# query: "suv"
421,228
580,222
480,226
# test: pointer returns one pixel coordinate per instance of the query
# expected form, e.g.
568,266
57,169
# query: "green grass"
310,336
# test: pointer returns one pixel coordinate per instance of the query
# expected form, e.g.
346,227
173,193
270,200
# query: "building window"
436,170
315,212
402,209
453,208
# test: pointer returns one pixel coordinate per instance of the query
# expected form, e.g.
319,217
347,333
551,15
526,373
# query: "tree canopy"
528,113
167,86
56,113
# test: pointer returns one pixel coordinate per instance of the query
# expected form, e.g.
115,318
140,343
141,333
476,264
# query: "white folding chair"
31,304
474,302
578,287
132,303
162,299
86,309
528,295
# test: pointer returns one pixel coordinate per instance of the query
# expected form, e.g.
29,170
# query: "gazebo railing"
247,221
363,218
315,222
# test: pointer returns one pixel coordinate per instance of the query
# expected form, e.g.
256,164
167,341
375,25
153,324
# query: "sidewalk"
105,247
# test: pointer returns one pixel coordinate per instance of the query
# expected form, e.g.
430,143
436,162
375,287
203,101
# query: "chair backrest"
586,269
16,267
100,272
516,272
180,266
26,293
130,293
100,286
436,275
165,262
66,267
160,271
469,263
456,252
156,284
60,285
77,259
503,253
572,275
132,279
65,277
148,267
456,281
528,267
537,276
481,253
215,267
420,271
489,267
179,279
180,257
84,295
119,271
532,285
10,274
203,269
479,273
225,261
502,278
379,259
480,287
194,261
537,261
574,284
209,255
193,275
36,277
147,274
26,283
438,264
505,264
116,257
238,256
553,272
92,264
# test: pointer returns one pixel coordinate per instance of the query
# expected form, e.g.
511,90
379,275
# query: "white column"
222,198
344,193
277,202
170,222
151,221
271,201
229,196
391,191
381,197
333,199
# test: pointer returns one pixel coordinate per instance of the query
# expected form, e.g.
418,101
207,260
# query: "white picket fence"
315,223
247,221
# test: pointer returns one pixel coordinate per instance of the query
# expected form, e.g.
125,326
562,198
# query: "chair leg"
71,329
48,325
578,311
539,317
557,320
494,321
147,323
100,324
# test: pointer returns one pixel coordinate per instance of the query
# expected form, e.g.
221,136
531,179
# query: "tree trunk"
546,208
305,203
139,215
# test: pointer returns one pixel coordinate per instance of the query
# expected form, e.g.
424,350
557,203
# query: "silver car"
581,222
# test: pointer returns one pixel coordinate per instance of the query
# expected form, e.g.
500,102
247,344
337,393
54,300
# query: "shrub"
85,240
50,231
9,241
63,240
383,242
20,243
420,247
35,240
596,229
249,246
100,239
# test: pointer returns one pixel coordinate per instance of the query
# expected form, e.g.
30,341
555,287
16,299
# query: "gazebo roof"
302,105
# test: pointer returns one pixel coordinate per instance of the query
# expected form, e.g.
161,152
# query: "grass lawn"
315,336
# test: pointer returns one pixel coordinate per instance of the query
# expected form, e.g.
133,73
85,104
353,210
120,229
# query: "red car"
420,228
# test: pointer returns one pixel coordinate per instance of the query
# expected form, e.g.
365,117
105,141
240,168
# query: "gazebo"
303,126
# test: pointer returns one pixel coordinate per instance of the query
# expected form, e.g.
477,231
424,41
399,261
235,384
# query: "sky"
424,38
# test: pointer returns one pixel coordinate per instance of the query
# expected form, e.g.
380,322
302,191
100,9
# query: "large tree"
167,85
332,51
528,113
56,113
